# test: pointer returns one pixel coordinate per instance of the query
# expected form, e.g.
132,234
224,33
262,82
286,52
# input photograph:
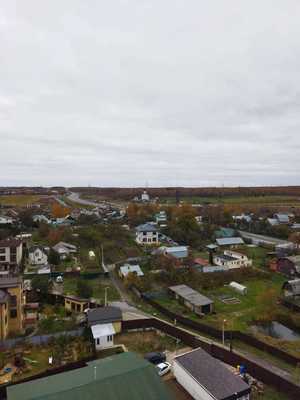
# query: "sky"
149,93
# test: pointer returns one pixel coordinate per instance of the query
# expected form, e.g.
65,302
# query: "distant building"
145,196
291,289
232,259
232,241
282,218
147,234
289,266
76,304
130,269
206,378
225,233
175,251
161,218
41,218
11,253
6,221
12,301
65,249
191,299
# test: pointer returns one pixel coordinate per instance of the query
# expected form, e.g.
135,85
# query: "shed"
103,335
238,287
130,269
193,300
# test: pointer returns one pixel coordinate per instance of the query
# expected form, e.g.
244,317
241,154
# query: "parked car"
155,357
163,368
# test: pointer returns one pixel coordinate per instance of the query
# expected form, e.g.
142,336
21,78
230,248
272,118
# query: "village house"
291,289
6,220
232,259
11,253
175,251
124,376
12,301
206,378
76,304
130,269
191,299
64,249
232,241
37,256
105,323
289,266
147,234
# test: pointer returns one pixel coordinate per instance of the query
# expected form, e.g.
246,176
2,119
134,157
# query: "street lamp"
223,332
105,296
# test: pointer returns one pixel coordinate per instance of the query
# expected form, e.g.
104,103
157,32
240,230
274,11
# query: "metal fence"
265,375
37,340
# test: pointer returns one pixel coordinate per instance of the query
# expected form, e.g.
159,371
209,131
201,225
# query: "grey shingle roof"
146,228
212,374
103,315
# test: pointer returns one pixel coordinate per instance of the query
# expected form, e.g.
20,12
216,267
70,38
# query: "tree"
58,211
40,284
54,257
84,290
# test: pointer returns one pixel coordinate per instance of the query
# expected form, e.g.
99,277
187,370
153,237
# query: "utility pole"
105,296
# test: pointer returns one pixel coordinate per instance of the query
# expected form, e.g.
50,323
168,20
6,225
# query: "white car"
163,368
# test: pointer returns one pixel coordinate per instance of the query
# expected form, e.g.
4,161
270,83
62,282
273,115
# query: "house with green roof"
124,376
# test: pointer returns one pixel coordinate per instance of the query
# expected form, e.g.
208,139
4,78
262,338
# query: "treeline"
181,192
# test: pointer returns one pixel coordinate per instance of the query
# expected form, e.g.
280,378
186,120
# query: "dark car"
155,358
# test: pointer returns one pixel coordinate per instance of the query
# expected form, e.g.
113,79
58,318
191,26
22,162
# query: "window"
98,341
144,240
110,338
13,314
2,258
2,250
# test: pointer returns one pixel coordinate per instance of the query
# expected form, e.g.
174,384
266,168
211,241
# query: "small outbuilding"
239,288
191,299
130,269
291,288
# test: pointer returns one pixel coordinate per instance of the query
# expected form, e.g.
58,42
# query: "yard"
147,342
98,286
28,360
239,315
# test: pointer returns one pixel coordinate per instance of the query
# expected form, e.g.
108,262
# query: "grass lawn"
19,200
258,255
239,315
98,285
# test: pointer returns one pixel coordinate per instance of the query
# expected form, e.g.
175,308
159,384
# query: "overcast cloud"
120,93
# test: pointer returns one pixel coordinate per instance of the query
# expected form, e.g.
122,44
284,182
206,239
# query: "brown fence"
265,375
229,335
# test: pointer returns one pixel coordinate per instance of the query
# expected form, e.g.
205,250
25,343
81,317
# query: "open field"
19,200
98,285
237,200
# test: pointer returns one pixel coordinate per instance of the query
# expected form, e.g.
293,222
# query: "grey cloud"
173,92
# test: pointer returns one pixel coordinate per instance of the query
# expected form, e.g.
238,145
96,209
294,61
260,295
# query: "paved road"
75,197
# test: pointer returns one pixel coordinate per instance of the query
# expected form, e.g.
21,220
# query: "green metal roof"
120,377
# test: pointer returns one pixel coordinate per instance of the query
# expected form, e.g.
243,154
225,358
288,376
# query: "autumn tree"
58,211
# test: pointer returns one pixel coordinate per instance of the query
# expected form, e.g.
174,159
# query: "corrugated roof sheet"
121,377
229,241
191,295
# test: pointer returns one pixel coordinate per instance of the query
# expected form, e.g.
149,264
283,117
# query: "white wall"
38,258
190,384
103,342
151,237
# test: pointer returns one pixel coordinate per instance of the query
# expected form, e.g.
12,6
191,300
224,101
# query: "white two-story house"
37,256
147,234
